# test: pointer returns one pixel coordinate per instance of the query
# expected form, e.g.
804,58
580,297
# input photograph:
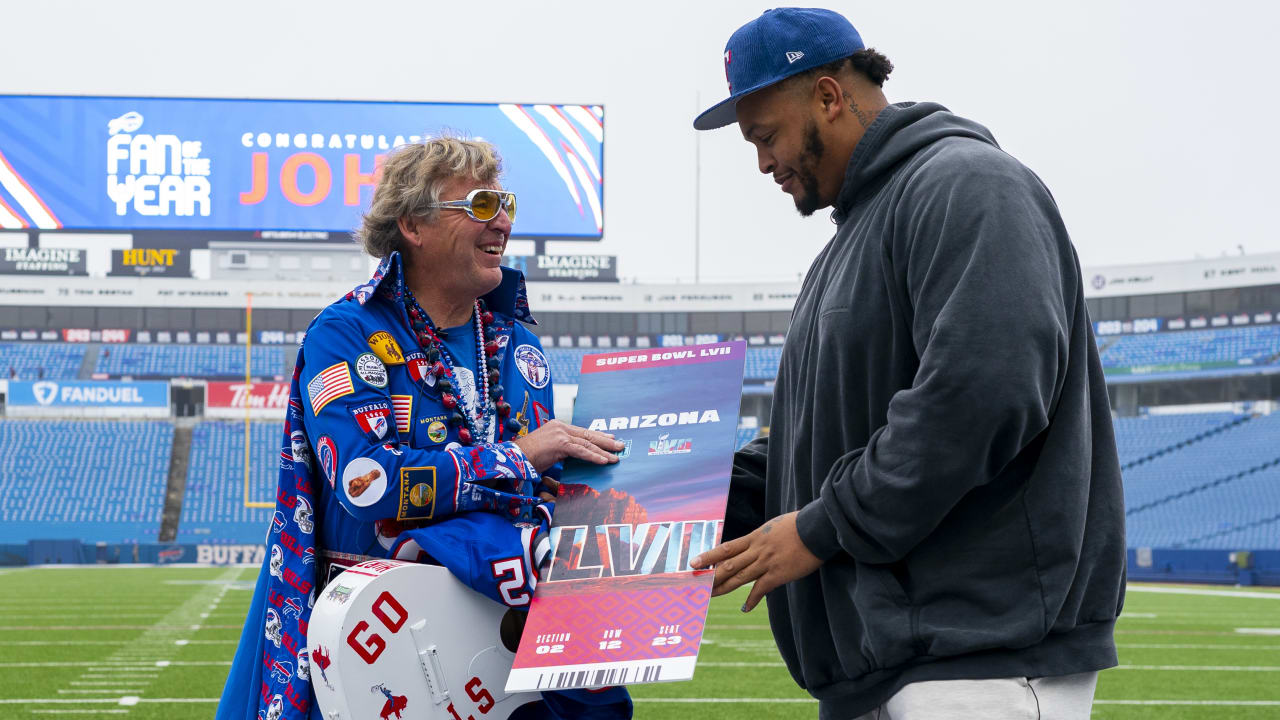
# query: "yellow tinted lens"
511,206
484,205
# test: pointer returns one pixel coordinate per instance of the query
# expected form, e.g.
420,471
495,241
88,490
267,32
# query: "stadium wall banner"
568,268
88,398
229,399
151,262
295,165
41,261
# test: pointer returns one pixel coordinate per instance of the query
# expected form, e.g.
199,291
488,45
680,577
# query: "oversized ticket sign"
618,603
209,164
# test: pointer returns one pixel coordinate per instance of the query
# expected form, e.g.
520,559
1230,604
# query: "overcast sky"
1151,122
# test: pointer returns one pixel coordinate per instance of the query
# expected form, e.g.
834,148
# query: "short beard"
809,201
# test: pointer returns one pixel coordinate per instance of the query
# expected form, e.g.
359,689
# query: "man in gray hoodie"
936,516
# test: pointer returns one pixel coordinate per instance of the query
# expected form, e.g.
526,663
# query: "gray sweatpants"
1061,697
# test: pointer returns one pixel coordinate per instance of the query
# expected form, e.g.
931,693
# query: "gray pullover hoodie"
941,423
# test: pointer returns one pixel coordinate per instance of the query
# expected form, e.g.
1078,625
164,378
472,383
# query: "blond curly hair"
412,177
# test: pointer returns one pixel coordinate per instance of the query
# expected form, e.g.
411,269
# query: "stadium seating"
1141,438
744,436
41,361
201,361
762,363
1220,491
1221,349
213,508
96,481
566,363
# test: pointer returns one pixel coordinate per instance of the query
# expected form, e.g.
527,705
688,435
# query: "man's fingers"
719,553
763,585
599,439
584,450
730,582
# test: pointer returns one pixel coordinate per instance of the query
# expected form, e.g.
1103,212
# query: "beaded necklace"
476,422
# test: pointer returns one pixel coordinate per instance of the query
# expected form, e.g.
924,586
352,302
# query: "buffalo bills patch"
532,365
420,369
374,419
327,454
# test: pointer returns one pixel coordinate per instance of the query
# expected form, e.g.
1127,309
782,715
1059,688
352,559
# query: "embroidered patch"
417,493
436,432
540,414
419,368
364,480
327,454
532,364
330,384
371,370
373,418
403,405
386,348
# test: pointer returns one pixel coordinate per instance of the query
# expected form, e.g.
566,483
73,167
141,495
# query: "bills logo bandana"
285,693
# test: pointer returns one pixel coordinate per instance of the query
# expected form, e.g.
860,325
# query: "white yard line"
1258,631
1203,591
139,665
1203,668
1225,703
1188,646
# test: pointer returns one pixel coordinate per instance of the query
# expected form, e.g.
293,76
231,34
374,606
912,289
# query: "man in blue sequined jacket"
419,401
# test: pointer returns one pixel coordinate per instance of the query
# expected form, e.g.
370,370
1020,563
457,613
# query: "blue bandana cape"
271,664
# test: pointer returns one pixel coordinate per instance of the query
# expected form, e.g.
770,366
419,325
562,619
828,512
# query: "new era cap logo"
794,56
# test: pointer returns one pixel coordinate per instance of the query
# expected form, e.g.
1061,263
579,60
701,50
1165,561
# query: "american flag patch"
332,383
403,405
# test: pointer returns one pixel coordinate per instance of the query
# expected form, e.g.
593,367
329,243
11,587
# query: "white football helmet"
386,646
302,516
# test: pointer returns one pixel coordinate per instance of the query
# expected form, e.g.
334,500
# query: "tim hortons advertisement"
230,399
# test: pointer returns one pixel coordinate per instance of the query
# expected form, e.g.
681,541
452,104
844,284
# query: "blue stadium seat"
1192,350
1221,491
41,361
202,361
214,508
95,481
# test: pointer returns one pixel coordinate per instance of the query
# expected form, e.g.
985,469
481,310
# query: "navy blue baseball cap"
780,43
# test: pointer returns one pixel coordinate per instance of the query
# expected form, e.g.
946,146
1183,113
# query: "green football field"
157,643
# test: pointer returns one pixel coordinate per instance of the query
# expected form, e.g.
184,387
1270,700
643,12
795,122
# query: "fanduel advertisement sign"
86,397
206,164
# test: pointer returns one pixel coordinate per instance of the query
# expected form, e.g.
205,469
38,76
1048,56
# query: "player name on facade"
628,550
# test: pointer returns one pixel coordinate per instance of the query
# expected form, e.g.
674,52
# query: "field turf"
156,643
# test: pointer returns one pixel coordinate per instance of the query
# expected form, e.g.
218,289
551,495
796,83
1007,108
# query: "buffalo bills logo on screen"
532,365
327,454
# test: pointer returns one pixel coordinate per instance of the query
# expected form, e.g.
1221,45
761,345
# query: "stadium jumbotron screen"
207,164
